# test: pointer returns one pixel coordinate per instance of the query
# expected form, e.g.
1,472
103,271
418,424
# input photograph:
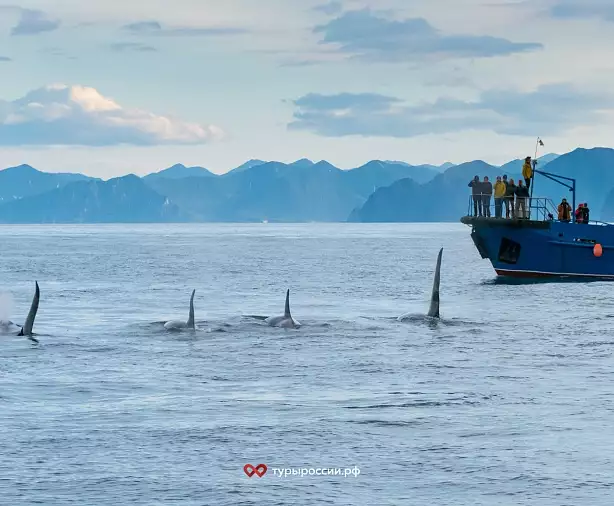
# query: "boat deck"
505,222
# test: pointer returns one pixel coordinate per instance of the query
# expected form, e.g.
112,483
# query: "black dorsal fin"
287,308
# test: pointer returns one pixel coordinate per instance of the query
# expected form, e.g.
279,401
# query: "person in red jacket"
579,214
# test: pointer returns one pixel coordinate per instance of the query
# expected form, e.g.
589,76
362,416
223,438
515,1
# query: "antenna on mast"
538,143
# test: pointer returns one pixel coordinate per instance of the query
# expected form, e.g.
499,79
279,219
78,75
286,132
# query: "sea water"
508,400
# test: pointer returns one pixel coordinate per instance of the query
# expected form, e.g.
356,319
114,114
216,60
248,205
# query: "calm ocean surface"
509,400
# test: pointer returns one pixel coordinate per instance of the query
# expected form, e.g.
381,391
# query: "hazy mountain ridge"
255,191
297,192
274,191
24,181
120,200
179,171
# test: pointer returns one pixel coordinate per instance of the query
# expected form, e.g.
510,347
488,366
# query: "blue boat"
540,246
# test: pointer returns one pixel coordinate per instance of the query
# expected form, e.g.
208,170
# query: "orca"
26,330
433,311
179,325
286,321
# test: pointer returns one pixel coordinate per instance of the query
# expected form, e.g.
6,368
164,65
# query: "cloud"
155,28
363,34
300,63
79,115
330,8
33,22
132,46
603,9
548,110
5,58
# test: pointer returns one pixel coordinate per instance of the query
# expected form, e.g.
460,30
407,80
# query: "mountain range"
303,191
253,192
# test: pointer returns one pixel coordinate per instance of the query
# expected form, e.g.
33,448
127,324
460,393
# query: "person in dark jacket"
476,194
486,196
522,195
510,191
585,213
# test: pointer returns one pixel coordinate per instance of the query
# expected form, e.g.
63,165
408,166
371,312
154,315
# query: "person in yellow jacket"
527,171
499,195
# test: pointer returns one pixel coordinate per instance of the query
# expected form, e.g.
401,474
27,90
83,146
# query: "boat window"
588,241
509,251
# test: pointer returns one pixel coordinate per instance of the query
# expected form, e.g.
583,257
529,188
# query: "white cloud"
80,115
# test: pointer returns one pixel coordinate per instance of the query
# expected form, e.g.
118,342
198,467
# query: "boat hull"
544,249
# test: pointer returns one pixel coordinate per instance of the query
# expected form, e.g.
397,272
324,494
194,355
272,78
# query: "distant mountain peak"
378,164
24,167
303,163
180,171
439,168
324,163
254,162
397,162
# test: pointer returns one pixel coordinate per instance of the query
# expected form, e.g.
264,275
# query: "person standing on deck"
579,214
585,213
486,196
476,194
510,191
522,194
500,189
527,171
564,211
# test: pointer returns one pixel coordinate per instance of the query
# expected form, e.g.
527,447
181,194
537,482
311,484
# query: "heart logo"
259,470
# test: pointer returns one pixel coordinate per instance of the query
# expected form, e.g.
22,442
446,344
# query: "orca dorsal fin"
191,315
26,330
287,308
434,307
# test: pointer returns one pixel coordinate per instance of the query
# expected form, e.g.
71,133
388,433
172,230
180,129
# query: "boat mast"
537,143
571,185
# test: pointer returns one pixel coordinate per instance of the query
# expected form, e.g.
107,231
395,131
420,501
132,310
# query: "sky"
112,87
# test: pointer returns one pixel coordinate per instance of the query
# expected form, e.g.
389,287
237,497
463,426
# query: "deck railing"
535,208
